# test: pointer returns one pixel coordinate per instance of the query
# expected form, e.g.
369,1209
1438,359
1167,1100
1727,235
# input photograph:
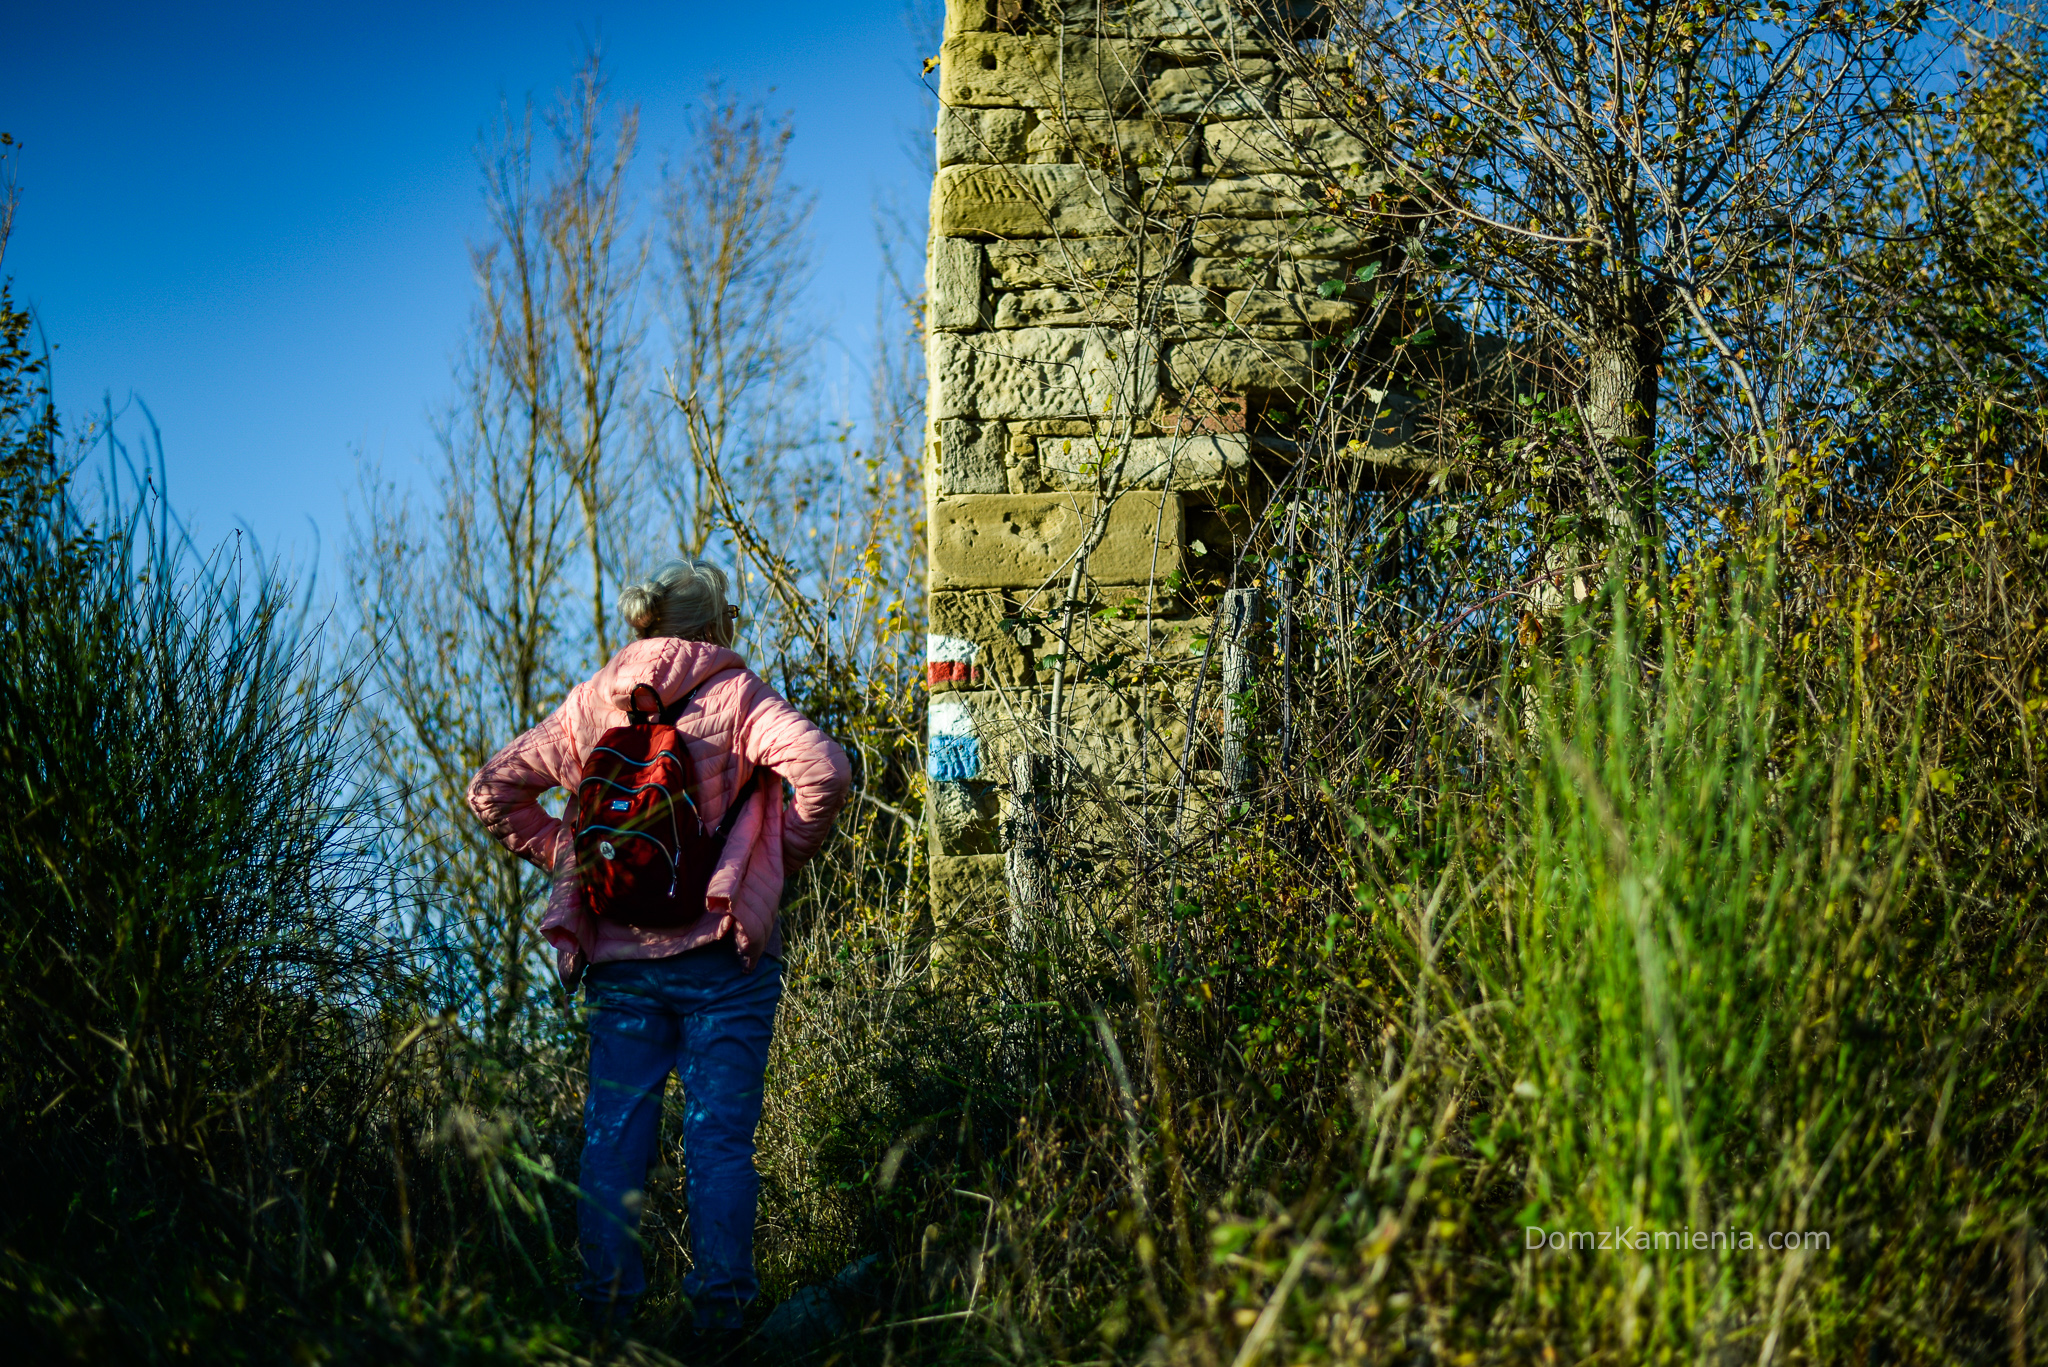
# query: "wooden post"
1290,580
1027,866
1239,618
1026,861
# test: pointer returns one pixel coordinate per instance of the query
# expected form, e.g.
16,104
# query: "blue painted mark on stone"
954,758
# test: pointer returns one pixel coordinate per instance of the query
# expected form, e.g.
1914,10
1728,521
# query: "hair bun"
640,605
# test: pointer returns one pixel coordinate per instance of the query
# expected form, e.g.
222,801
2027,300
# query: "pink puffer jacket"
735,722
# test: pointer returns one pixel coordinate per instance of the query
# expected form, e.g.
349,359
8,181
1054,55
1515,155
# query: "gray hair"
683,598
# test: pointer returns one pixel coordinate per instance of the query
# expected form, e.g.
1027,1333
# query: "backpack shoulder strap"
738,805
673,713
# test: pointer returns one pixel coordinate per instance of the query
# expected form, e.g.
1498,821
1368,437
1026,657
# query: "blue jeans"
705,1017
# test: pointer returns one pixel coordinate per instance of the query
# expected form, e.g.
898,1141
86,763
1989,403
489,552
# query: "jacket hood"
673,666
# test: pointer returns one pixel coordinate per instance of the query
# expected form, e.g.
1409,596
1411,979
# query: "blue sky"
256,218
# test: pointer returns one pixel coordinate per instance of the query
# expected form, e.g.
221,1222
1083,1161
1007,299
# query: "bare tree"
1613,189
472,597
736,259
597,265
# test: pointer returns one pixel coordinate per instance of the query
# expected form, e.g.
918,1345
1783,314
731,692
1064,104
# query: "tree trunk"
1619,406
1621,429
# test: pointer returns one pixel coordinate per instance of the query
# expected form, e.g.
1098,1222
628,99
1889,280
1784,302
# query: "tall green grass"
1690,972
1747,1000
232,1120
191,958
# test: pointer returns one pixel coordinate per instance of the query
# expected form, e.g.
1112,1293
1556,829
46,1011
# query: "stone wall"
1125,283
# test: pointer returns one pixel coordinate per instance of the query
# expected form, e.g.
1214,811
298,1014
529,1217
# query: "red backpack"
642,854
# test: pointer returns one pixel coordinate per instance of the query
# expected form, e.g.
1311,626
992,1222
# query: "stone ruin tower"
1125,281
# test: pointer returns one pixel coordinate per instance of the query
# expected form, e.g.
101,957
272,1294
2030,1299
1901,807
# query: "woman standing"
698,1000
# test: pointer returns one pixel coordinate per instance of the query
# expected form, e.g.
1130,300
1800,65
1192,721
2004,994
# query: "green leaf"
1330,289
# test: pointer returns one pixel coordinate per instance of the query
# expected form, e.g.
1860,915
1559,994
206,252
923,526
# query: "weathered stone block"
971,457
1105,633
1217,274
956,284
1046,307
1027,201
1307,276
1071,72
1097,262
982,135
1240,366
1102,139
1270,195
1182,305
1042,373
1309,145
1245,90
1180,462
1308,237
1025,540
1249,308
1186,305
968,894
